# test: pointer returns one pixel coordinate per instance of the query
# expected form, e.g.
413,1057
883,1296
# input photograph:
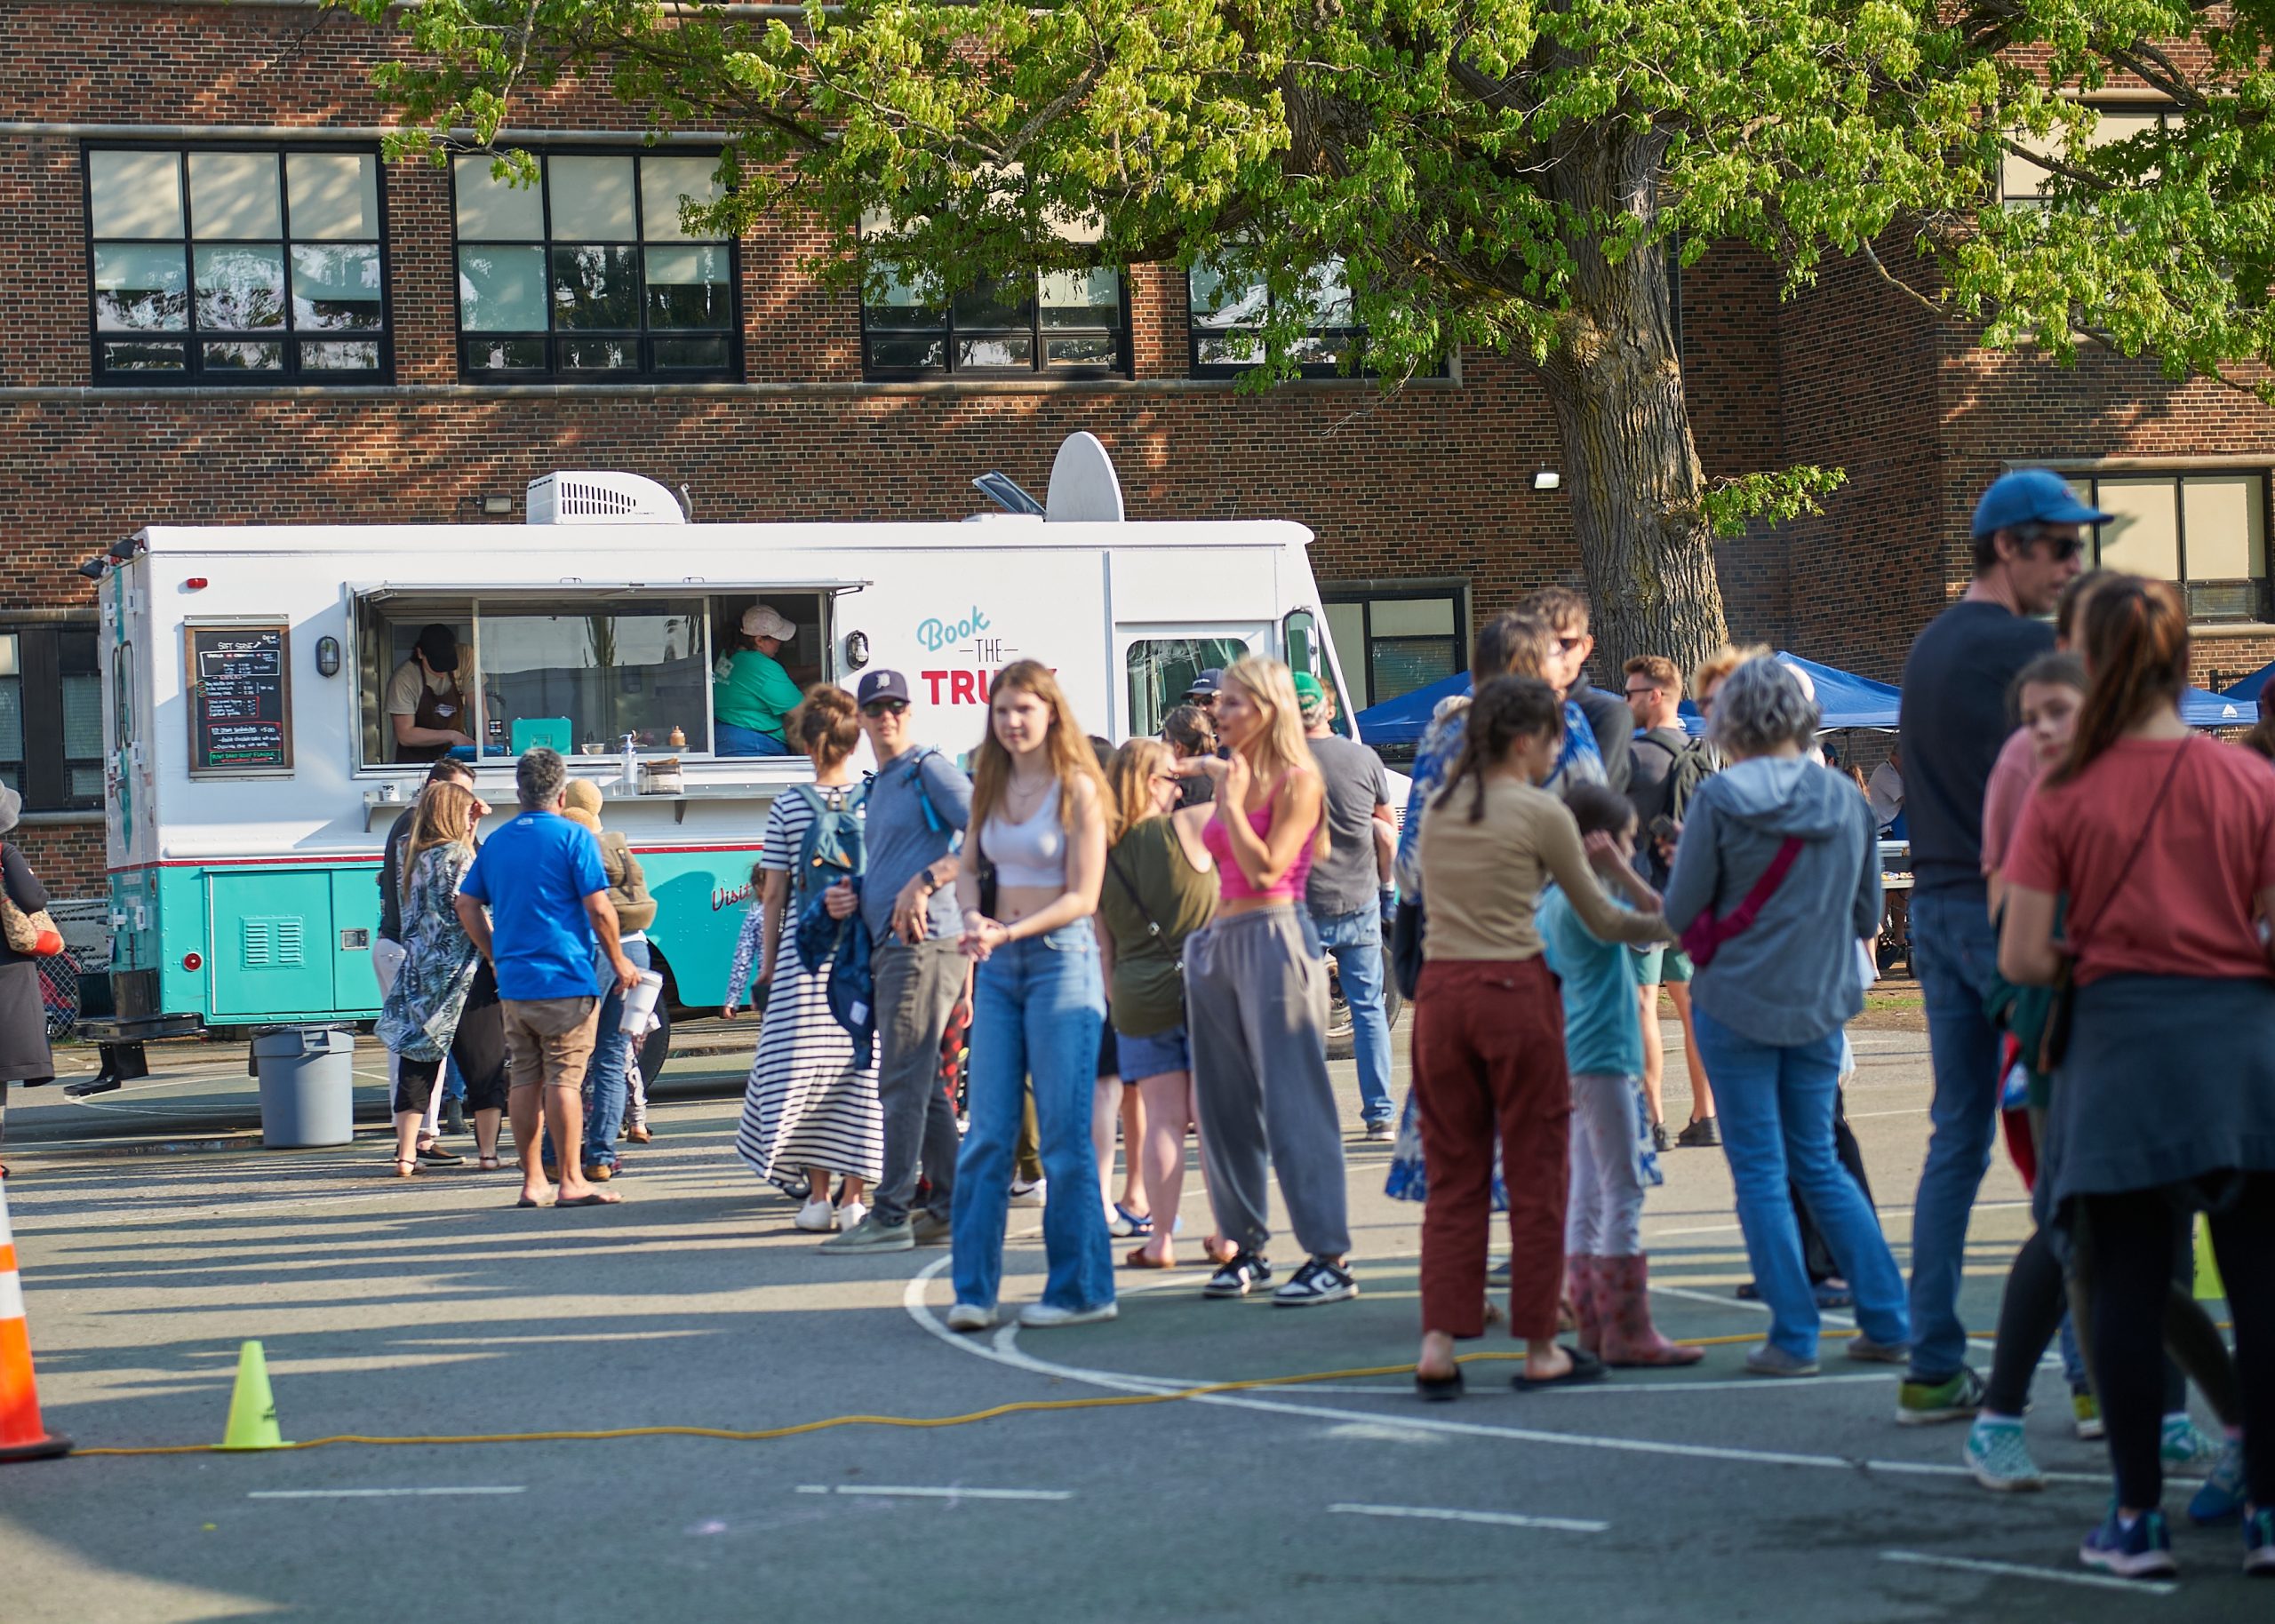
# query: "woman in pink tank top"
1256,1000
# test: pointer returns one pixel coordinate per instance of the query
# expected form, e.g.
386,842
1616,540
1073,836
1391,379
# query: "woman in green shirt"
753,694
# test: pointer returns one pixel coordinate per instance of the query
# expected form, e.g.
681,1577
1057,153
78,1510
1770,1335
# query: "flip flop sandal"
490,1164
405,1169
525,1201
1439,1389
1137,1259
595,1199
1586,1368
1131,1225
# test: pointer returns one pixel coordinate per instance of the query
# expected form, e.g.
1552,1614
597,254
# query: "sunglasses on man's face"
2062,549
884,707
1637,693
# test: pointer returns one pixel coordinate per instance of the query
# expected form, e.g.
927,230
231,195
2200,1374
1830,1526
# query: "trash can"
308,1086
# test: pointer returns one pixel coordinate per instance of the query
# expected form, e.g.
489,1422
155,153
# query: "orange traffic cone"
22,1435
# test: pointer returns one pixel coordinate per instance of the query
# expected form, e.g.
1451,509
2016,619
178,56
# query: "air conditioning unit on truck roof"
586,496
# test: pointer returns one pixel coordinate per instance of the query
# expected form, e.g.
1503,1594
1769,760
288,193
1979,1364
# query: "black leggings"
2133,1235
478,1045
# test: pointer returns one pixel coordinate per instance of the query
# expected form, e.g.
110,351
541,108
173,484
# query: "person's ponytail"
2136,643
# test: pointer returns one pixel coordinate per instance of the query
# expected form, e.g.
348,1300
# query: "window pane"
142,358
2143,534
687,287
1323,349
1413,617
240,289
501,289
591,354
333,194
11,656
1403,665
908,355
11,718
86,784
2226,526
336,289
1082,298
663,182
491,209
1346,628
995,350
504,355
134,193
710,355
1160,669
247,355
140,289
340,355
83,715
1227,349
596,287
1005,302
906,302
640,671
591,199
232,195
1326,295
1217,302
1095,350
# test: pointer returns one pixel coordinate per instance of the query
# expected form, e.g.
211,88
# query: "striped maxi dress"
808,1103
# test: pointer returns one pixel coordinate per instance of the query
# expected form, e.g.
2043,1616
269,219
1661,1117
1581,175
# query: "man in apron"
426,705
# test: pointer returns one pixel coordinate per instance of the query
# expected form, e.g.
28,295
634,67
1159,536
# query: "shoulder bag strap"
2140,845
1741,918
1153,925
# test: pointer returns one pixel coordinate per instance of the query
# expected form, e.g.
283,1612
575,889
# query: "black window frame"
1353,333
2262,586
644,337
1363,598
194,374
1039,336
46,770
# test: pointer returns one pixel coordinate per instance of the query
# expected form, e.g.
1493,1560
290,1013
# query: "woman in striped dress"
810,1110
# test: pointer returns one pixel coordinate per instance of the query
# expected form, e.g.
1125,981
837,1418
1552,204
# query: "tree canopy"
1504,174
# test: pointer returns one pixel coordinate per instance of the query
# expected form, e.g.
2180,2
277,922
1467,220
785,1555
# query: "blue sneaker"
2222,1495
2259,1545
2142,1551
2183,1445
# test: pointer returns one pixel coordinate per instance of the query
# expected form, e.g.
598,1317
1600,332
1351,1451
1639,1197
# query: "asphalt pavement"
431,1309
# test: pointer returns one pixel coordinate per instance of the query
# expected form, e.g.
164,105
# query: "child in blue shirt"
1612,1157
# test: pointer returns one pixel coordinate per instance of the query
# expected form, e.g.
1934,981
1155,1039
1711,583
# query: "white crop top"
1032,854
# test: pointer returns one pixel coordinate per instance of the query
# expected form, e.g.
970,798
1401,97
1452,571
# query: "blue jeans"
728,740
1356,941
605,1110
1037,1007
1955,951
1775,1107
453,1080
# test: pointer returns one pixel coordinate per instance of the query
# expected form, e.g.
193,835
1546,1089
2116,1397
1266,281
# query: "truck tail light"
192,961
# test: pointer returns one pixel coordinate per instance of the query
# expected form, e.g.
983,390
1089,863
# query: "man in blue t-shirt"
914,818
547,898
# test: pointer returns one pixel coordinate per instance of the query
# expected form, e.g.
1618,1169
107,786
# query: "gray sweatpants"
916,988
1255,1009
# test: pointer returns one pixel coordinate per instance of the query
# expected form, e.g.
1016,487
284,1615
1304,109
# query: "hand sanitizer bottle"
631,764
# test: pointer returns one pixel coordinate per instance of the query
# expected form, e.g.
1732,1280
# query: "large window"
1393,642
1056,321
1229,314
51,717
590,274
2206,531
236,266
2021,180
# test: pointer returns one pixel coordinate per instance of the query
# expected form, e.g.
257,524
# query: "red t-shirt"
2188,906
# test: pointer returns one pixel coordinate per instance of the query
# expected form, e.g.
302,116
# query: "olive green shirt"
1148,977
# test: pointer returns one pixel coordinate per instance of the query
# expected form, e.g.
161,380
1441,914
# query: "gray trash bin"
308,1086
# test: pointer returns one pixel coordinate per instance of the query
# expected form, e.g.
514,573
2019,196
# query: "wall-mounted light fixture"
328,657
857,650
1547,479
496,506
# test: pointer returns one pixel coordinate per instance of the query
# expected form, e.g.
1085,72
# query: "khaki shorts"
549,1040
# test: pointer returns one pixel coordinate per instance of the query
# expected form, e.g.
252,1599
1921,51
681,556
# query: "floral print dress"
420,1014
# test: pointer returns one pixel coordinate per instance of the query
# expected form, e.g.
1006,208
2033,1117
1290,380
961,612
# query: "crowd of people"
1141,939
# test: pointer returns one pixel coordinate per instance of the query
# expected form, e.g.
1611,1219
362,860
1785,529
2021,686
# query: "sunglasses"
884,707
1637,693
2062,549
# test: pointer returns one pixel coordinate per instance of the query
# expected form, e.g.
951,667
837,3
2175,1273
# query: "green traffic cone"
252,1407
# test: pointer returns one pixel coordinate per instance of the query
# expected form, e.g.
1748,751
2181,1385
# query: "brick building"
221,308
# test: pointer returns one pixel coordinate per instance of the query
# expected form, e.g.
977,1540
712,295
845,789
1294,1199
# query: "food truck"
252,772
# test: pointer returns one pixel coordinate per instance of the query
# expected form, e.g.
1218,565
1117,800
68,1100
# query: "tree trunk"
1614,380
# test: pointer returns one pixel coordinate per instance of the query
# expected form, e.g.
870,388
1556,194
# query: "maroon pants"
1489,1053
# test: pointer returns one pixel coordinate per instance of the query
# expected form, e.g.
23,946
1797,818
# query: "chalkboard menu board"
239,681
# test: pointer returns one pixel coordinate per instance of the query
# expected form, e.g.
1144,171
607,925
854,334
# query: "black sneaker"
1704,1133
1236,1278
435,1156
1320,1280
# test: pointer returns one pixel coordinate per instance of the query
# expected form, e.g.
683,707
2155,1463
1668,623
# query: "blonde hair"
443,817
1065,746
1717,666
1279,748
1131,776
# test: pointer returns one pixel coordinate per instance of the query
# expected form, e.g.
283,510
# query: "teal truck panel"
272,942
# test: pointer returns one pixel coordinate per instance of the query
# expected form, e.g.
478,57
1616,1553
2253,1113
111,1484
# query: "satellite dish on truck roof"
1085,489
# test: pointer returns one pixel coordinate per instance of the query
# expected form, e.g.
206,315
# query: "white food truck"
252,772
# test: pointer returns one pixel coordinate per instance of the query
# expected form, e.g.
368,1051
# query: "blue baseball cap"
2029,495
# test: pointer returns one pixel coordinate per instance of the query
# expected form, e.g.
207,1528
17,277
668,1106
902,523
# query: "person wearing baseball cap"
427,705
1204,691
753,694
2028,537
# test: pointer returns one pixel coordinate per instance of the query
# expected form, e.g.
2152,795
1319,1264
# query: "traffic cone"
252,1407
22,1435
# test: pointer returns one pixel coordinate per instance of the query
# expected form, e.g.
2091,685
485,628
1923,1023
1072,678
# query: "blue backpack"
832,848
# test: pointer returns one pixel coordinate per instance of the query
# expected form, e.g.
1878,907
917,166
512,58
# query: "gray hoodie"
1793,977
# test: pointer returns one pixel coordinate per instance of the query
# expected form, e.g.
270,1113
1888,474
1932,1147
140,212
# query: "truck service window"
558,671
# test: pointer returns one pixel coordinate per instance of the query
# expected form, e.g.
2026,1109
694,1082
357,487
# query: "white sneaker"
817,1216
849,1215
970,1316
1024,1194
1042,1316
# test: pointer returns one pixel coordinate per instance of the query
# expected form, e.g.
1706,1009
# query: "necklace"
1021,801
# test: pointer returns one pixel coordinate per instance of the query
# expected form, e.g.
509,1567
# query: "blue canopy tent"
2200,709
1404,720
2249,689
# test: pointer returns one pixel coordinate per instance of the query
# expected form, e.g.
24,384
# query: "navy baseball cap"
2032,496
883,685
1207,682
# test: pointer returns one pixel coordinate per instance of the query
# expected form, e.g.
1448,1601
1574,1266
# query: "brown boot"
1584,1288
1630,1338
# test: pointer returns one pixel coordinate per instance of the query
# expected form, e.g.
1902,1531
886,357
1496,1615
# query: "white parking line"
373,1494
2015,1569
1498,1519
905,1492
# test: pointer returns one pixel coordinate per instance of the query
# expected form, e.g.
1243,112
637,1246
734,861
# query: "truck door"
1159,662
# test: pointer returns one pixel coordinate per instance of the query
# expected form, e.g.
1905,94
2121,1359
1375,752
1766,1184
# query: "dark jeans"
917,987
